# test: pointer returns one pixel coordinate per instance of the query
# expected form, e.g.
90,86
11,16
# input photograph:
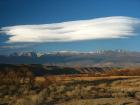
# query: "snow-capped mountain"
74,58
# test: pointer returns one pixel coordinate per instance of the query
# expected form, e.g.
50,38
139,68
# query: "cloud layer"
16,46
99,28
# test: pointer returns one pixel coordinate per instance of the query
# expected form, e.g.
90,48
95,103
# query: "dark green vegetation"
37,85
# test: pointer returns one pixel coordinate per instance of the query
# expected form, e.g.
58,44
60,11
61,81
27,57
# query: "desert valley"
57,83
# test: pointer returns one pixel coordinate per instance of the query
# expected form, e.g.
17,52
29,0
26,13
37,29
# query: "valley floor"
73,90
37,84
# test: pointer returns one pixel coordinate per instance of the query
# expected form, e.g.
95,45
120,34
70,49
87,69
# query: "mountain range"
74,58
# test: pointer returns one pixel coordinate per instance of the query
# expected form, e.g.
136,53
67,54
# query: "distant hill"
66,58
44,70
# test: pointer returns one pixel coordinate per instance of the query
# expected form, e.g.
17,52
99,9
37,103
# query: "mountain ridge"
72,58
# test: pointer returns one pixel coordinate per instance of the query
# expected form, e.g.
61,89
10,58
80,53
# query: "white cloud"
99,28
16,46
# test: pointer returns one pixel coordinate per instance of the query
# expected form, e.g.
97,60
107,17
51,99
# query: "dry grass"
67,78
112,90
103,101
72,90
80,89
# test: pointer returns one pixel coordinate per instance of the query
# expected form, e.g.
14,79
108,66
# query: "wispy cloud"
99,28
16,46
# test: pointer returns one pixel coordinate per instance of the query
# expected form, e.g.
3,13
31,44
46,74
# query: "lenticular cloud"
99,28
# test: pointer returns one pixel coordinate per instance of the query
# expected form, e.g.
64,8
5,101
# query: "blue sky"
35,12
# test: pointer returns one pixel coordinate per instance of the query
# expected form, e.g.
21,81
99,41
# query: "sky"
69,25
